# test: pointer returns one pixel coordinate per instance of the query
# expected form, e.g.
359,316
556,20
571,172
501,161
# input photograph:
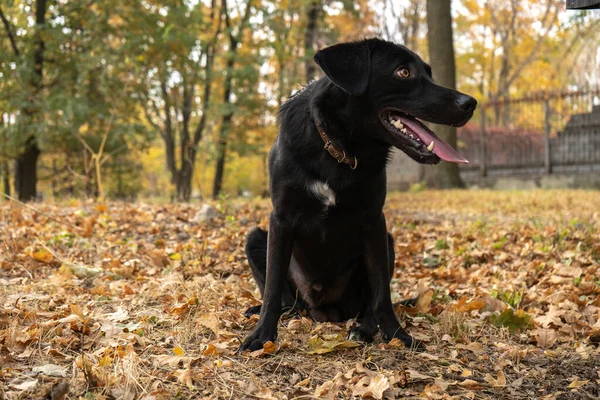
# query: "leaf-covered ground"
140,301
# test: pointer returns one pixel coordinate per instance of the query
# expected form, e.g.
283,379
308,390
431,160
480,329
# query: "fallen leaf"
51,370
552,317
577,384
371,387
266,394
25,385
185,376
466,305
268,348
43,256
475,347
173,361
499,381
470,384
329,343
545,338
413,374
514,320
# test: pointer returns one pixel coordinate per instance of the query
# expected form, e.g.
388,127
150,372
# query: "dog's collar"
340,156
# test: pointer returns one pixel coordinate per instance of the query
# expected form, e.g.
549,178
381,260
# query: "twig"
464,378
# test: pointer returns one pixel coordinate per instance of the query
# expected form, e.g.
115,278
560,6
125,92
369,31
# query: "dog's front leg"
376,253
280,243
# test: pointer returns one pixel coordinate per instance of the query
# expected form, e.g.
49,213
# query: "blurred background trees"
178,98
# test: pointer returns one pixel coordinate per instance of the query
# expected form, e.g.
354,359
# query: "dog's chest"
322,192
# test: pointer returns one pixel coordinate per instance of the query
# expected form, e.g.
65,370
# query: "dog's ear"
348,65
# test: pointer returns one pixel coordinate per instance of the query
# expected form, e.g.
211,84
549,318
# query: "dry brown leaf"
464,305
173,361
470,384
371,386
216,348
475,347
185,376
416,375
552,317
424,301
266,394
568,271
499,381
268,348
545,338
577,383
25,385
328,389
51,370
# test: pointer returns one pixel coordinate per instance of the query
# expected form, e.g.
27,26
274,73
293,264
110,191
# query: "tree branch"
9,32
210,49
517,71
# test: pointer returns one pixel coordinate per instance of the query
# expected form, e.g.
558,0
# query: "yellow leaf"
464,305
43,256
178,351
577,384
303,383
329,343
75,309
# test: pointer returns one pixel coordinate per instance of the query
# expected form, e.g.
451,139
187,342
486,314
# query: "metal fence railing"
543,132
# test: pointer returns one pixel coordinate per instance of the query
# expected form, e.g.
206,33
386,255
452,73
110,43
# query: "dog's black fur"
327,249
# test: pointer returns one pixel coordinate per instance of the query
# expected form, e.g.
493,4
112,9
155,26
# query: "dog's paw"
357,334
254,310
256,340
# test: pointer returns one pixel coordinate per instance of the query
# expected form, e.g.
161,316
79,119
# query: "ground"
142,301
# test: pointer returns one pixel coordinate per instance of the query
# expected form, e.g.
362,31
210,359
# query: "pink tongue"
441,149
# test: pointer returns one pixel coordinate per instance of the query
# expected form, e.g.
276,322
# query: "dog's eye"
403,72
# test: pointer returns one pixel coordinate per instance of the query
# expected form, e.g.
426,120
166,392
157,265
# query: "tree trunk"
26,163
6,178
26,171
224,132
441,58
310,36
228,90
220,167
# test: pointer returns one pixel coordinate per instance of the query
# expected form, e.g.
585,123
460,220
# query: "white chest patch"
323,192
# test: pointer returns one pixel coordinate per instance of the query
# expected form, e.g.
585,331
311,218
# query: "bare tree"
26,162
226,123
441,58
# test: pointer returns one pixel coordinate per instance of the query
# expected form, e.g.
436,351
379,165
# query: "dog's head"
399,88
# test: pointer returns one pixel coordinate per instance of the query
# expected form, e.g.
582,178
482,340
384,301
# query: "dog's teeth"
430,147
398,124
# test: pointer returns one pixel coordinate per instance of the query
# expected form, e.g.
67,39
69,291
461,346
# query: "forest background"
177,99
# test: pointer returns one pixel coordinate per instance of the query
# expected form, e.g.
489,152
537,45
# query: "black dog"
327,249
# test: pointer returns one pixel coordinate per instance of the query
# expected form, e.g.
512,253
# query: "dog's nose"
466,103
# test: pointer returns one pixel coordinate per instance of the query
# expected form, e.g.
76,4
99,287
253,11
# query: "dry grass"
138,301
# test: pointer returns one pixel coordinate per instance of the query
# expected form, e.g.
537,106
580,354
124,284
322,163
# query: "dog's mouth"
417,140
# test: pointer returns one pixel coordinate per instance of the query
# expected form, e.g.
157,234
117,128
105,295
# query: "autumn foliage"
141,301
